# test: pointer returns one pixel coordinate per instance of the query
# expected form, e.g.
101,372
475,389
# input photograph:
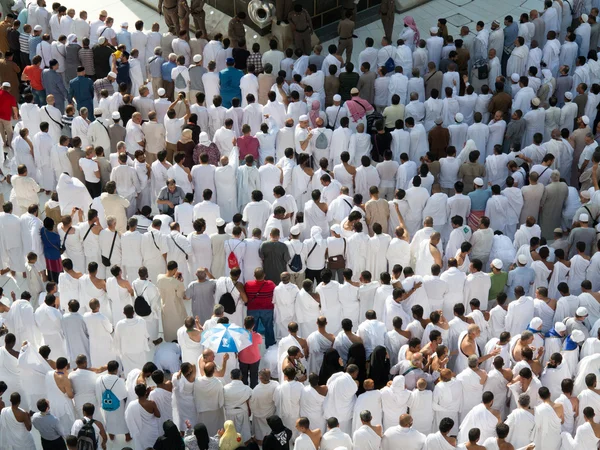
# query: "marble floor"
457,12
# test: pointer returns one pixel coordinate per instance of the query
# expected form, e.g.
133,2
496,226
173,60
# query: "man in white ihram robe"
403,436
143,426
42,149
131,343
225,176
517,62
370,401
340,399
287,398
479,417
547,429
262,404
49,322
236,395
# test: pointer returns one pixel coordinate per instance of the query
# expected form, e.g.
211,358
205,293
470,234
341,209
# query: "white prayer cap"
124,24
439,121
6,84
558,230
337,98
522,259
585,119
101,40
568,95
197,58
577,336
547,74
581,311
112,75
97,111
354,91
434,30
585,194
71,38
584,17
478,181
303,118
295,230
336,228
204,139
535,102
219,222
535,323
116,115
161,92
497,263
515,77
584,217
560,327
458,117
37,28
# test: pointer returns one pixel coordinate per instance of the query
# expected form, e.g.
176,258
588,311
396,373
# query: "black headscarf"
358,355
201,434
171,439
379,368
330,365
280,436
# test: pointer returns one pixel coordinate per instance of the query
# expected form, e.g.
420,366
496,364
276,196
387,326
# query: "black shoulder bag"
105,260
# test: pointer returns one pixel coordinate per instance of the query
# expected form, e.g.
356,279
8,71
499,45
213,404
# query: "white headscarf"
470,145
401,394
204,139
72,38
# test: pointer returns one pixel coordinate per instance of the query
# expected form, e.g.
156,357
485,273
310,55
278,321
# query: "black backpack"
86,438
227,301
141,306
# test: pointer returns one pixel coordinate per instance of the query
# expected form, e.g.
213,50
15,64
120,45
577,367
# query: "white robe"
340,399
478,417
546,433
143,426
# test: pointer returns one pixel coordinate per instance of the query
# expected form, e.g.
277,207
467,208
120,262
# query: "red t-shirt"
251,354
7,102
260,294
248,145
35,77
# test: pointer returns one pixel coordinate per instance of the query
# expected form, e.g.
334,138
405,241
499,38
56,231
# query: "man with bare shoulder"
16,425
308,439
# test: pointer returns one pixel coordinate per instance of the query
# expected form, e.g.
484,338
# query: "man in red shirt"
33,74
8,111
249,358
260,303
248,144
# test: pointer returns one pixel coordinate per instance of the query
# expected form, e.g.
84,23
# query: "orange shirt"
34,73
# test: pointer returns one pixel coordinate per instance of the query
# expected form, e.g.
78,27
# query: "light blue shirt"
124,38
479,198
521,276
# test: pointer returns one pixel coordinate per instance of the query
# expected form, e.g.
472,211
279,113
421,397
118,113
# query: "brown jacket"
236,30
439,139
433,80
500,101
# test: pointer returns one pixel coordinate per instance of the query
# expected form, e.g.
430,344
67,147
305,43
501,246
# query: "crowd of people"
410,245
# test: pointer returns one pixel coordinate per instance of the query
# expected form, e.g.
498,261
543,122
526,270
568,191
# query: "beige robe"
172,293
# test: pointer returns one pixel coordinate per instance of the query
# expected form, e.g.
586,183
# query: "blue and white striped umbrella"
226,338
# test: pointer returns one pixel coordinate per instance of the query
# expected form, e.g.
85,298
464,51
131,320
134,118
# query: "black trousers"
57,444
95,189
314,275
252,370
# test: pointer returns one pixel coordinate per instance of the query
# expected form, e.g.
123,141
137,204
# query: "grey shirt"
586,235
174,197
155,63
196,73
275,256
48,426
203,298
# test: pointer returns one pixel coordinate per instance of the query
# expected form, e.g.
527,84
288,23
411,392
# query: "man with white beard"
262,404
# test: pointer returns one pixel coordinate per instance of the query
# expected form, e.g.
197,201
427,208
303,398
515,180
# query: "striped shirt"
86,56
24,43
103,83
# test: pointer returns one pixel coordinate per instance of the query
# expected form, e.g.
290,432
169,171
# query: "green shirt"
498,282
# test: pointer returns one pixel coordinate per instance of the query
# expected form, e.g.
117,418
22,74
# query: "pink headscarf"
314,113
410,23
